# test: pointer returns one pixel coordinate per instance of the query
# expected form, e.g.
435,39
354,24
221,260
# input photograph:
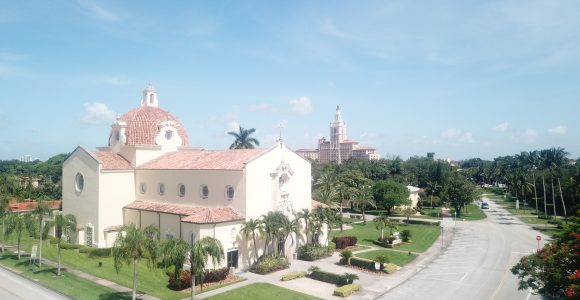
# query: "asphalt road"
14,287
476,263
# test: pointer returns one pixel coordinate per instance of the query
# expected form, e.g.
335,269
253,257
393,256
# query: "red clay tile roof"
316,204
112,161
193,214
31,205
142,125
196,159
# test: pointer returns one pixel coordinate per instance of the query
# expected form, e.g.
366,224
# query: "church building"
149,175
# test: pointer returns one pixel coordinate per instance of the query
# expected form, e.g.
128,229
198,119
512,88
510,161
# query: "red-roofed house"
148,175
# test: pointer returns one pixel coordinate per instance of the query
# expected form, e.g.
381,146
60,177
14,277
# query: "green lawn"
261,291
422,236
396,257
432,213
68,284
473,213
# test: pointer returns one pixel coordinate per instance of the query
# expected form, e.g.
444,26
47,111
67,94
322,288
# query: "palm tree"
553,159
63,224
287,227
350,277
200,252
4,206
408,212
134,244
307,216
17,225
243,139
40,211
173,253
381,222
363,198
249,228
326,215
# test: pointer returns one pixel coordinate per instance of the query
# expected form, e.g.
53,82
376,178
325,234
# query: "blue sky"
459,78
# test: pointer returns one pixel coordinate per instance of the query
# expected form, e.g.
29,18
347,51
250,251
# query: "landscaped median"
261,291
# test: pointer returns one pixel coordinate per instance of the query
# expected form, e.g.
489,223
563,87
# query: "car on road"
484,205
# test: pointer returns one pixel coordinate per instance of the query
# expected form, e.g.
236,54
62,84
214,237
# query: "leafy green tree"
40,211
458,192
4,211
249,228
16,225
243,139
389,193
408,212
133,245
63,225
328,216
554,271
381,222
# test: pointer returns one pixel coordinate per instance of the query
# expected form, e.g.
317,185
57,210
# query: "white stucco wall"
116,189
83,205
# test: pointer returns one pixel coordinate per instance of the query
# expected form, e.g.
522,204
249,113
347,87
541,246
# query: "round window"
181,190
161,189
79,182
204,191
230,192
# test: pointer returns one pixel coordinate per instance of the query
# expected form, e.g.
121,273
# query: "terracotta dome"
143,122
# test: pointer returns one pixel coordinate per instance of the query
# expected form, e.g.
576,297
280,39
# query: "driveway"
476,263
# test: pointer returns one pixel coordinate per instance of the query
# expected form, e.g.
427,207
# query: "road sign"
538,238
33,252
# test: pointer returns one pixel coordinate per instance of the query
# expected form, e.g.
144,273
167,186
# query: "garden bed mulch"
230,279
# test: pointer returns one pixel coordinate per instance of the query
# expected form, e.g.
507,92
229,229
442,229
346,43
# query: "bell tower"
149,97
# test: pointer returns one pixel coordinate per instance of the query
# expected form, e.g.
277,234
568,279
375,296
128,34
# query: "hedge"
209,276
293,275
270,264
422,222
314,252
390,268
86,249
344,241
347,290
363,263
101,252
69,246
328,277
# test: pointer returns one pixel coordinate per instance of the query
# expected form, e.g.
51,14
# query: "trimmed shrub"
86,249
406,235
390,268
346,255
347,290
344,241
314,252
270,264
101,252
328,277
293,275
363,263
53,240
423,222
209,276
69,246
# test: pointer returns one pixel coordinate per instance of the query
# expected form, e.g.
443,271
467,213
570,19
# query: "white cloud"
561,130
97,113
301,105
99,11
458,136
261,107
233,126
370,135
503,127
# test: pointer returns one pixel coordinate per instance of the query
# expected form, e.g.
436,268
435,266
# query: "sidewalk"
86,276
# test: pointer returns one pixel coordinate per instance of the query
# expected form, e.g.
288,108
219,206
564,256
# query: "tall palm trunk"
3,234
19,238
58,253
40,246
135,271
545,206
562,197
535,194
363,217
341,218
553,198
255,246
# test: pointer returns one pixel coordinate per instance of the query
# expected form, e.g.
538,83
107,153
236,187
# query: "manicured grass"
395,257
422,236
431,213
473,213
261,291
68,284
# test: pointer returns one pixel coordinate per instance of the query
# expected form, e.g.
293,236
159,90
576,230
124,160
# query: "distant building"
339,147
26,158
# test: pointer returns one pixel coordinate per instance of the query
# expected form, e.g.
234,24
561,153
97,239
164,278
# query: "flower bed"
270,264
347,290
314,252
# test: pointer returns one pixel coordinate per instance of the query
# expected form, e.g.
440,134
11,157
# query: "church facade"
148,175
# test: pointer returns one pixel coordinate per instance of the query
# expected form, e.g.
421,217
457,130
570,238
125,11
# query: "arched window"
181,190
151,98
79,182
230,192
143,188
161,189
204,191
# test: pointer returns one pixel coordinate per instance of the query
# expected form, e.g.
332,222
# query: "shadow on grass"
115,296
45,270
